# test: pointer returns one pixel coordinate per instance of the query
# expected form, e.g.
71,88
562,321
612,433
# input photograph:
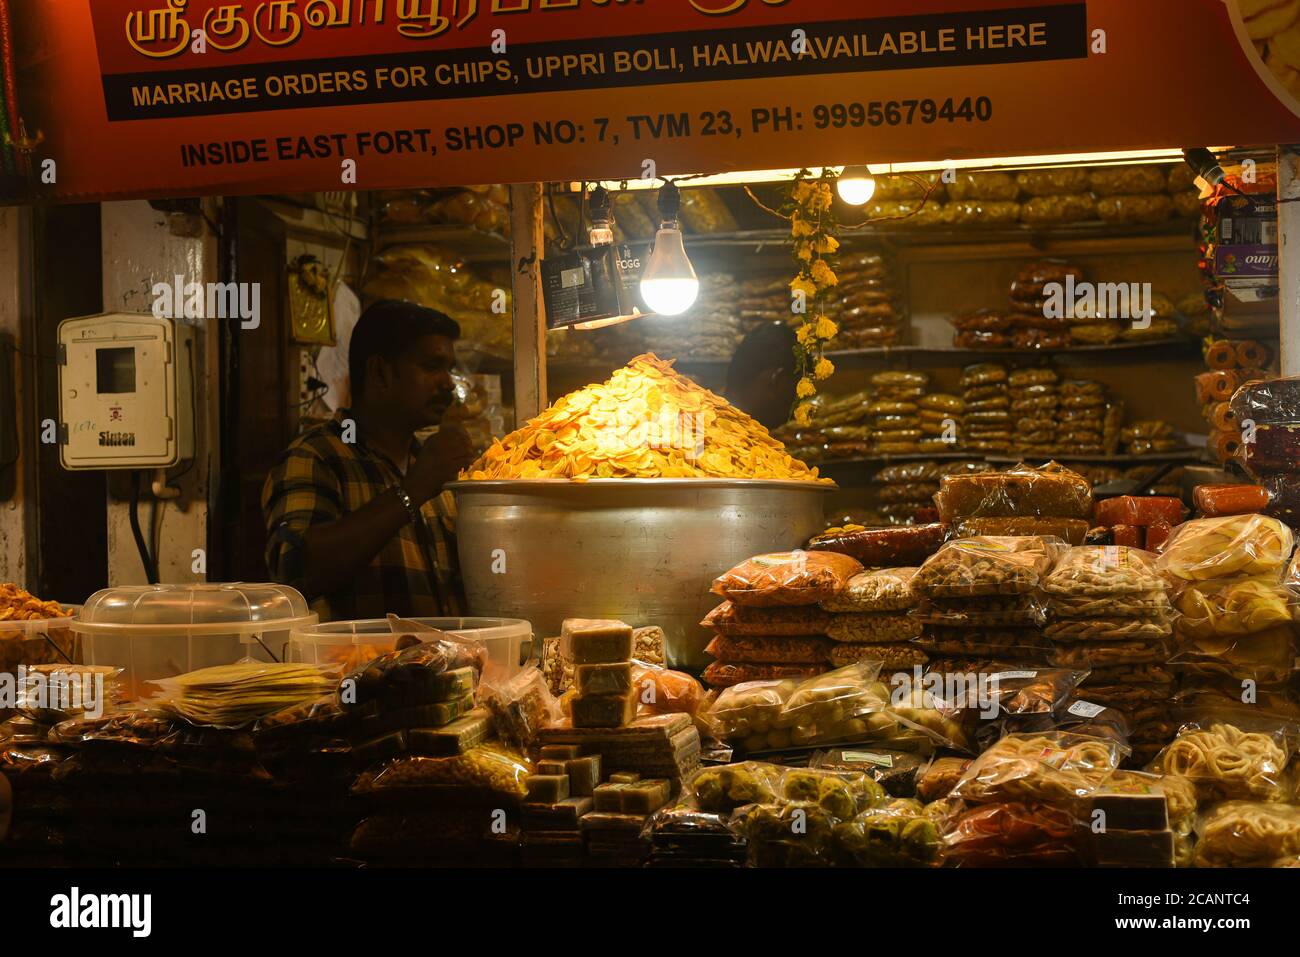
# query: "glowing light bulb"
669,285
856,185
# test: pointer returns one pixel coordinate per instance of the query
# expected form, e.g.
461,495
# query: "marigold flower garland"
812,235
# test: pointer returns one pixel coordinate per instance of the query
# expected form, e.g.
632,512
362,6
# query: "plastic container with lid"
158,631
350,644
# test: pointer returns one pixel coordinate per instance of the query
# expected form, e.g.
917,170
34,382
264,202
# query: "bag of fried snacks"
1225,761
787,578
940,777
520,706
1233,607
750,709
732,619
230,696
487,771
1014,834
827,701
1233,545
1247,834
883,589
987,566
1103,570
1054,767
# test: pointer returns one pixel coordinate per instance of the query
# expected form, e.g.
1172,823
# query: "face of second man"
421,388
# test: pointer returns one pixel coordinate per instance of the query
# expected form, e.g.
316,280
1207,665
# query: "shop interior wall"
943,281
143,246
17,470
267,395
53,538
71,518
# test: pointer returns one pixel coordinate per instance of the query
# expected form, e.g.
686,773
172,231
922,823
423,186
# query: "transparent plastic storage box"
157,631
350,644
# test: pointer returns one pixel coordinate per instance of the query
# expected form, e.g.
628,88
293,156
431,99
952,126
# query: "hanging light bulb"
856,185
606,276
669,285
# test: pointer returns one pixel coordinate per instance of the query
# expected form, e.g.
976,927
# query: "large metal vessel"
642,550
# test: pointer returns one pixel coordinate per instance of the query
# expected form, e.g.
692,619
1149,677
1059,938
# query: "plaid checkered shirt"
321,478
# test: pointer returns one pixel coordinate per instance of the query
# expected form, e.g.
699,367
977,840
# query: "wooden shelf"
1182,455
477,246
1181,346
472,245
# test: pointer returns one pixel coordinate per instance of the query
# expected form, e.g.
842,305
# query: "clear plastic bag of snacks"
1054,767
1247,834
1226,761
732,619
831,706
787,578
1235,606
1223,547
1103,570
841,794
720,790
883,589
1014,834
987,566
901,833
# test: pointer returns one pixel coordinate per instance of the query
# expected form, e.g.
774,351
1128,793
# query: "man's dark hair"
767,346
388,328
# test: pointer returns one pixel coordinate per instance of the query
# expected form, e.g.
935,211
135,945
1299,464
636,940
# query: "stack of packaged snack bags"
981,602
1110,616
770,625
866,302
941,416
1270,450
897,423
1032,327
1033,411
870,617
1084,420
905,491
1235,630
1232,363
986,401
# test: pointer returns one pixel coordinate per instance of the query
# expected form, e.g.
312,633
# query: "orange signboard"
129,98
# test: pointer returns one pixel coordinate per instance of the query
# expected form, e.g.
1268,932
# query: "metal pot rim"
500,485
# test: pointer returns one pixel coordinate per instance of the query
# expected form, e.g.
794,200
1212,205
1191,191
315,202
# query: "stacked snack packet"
770,625
1110,616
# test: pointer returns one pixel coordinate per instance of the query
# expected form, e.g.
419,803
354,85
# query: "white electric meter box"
126,391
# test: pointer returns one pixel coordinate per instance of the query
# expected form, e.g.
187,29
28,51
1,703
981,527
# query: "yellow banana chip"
645,421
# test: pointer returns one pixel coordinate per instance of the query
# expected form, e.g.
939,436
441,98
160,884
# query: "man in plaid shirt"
355,511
